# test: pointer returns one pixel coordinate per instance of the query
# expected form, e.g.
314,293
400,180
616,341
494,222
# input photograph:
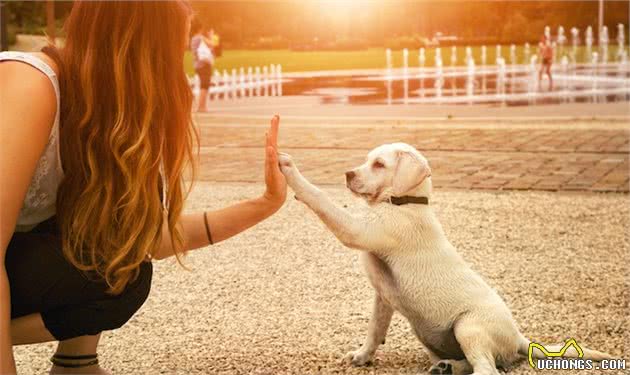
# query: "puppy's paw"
289,170
442,367
358,358
285,161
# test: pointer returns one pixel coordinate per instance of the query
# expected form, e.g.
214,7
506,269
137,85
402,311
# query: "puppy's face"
390,170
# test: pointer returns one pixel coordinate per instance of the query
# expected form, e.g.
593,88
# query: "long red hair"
125,125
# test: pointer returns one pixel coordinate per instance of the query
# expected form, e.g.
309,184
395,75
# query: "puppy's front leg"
377,329
351,231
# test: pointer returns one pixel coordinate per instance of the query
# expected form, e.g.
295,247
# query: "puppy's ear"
411,170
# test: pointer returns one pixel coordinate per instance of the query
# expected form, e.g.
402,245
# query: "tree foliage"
374,21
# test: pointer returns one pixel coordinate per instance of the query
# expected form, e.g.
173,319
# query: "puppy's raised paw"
358,358
285,162
285,159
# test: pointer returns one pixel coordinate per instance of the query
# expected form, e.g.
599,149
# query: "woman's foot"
76,364
93,369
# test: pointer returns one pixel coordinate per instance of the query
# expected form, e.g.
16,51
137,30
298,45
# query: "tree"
50,19
4,33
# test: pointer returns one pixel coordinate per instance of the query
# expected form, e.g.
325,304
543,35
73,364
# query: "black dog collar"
399,201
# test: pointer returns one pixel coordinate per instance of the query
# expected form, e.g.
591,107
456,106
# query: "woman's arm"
229,221
24,131
207,40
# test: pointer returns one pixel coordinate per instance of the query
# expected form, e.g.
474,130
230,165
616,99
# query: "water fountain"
234,86
225,85
279,79
405,75
564,63
594,61
603,44
468,54
470,75
257,81
561,39
421,62
439,74
588,39
624,66
272,90
512,67
484,68
532,86
250,82
453,68
500,90
526,53
621,39
388,75
241,82
265,80
599,79
575,39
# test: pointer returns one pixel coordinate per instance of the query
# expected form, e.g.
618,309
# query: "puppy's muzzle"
349,176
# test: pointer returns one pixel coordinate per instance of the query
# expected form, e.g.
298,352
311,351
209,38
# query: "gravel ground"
286,297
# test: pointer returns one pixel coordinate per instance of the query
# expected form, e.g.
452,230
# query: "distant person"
545,49
215,41
201,48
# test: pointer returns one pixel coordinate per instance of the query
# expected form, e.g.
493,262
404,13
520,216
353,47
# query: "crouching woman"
95,140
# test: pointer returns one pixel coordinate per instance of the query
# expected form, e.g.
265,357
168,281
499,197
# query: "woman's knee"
125,305
100,315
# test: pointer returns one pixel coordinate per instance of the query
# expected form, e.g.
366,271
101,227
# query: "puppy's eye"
378,165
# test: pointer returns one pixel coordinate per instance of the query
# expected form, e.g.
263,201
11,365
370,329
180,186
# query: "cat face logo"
548,354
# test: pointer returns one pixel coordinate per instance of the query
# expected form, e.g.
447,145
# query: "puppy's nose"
350,175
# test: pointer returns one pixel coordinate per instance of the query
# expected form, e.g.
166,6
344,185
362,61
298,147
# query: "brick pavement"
593,159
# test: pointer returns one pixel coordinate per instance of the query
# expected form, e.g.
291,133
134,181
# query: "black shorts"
71,304
205,75
546,61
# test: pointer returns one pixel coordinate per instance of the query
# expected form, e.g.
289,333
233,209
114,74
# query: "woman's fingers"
273,131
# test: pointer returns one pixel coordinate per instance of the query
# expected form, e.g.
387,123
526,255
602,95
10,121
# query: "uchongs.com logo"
558,360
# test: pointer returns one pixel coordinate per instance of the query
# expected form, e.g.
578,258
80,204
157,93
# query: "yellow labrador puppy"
463,323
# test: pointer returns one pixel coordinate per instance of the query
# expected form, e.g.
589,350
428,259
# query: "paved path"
590,156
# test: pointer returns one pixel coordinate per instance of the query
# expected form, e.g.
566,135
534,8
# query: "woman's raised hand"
276,191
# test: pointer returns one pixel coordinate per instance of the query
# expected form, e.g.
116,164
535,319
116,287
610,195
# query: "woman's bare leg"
84,345
203,100
30,329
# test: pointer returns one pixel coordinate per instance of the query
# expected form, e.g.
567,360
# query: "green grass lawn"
373,58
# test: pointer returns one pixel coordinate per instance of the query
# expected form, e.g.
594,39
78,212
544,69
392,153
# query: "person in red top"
545,50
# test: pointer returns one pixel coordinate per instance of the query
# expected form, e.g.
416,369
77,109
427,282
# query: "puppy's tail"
569,350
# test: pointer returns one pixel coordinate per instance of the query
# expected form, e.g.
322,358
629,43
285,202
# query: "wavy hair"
126,130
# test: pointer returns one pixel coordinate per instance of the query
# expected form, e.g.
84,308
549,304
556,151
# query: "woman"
203,57
96,177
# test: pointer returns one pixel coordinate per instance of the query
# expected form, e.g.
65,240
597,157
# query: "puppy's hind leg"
377,329
477,345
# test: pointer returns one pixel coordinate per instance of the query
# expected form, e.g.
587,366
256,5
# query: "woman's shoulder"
14,59
48,60
28,85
